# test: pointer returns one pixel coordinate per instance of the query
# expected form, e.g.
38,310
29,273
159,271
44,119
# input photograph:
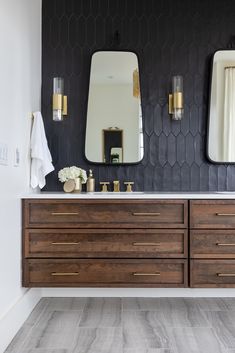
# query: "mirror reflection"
114,132
221,134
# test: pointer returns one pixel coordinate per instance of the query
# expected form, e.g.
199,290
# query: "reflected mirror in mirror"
114,133
221,132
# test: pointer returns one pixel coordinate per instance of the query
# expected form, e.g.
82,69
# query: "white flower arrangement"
72,173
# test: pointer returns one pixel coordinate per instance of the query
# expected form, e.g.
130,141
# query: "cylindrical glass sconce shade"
58,93
177,93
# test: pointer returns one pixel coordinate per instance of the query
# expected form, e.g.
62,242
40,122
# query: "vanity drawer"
212,214
212,244
88,243
105,273
212,273
105,213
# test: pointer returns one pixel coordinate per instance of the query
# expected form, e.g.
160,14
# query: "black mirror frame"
209,109
87,98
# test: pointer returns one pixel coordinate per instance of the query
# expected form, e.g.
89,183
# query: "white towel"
40,155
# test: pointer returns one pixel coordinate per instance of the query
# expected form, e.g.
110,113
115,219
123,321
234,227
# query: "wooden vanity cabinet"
105,272
212,243
105,213
109,243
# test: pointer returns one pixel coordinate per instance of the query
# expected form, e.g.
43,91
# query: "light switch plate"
3,154
17,157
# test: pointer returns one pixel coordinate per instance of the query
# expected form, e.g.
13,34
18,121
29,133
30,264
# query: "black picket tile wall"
170,37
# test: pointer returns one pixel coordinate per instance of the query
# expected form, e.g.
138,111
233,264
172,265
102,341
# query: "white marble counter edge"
134,195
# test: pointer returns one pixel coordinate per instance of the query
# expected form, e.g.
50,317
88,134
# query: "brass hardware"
175,101
116,186
64,213
129,185
146,244
146,274
57,101
225,214
64,243
136,84
65,273
146,214
221,244
178,100
60,102
90,184
170,104
226,274
104,186
65,105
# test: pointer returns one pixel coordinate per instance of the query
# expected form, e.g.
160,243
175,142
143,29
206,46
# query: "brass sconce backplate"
170,104
60,102
175,101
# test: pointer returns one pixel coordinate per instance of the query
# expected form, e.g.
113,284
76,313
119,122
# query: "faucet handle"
104,186
116,186
129,185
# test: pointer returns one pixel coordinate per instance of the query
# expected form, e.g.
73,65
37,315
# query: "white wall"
20,84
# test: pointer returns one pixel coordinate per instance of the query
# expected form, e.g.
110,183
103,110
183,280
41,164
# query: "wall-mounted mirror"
221,132
114,132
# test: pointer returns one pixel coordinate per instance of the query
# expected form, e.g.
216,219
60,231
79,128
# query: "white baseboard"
15,317
138,292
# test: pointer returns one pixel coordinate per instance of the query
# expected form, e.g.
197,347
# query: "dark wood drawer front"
212,214
212,244
113,273
105,243
105,213
212,273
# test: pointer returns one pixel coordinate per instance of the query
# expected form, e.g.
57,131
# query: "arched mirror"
114,133
221,132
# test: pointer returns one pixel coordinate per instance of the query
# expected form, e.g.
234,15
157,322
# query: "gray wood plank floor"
128,325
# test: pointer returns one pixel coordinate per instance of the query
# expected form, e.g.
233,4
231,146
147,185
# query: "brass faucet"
116,186
104,186
129,185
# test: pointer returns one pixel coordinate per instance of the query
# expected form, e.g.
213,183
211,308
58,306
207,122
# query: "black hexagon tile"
170,37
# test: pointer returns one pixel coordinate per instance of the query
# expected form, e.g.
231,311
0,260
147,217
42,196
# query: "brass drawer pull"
146,214
65,273
57,243
225,214
147,274
225,244
64,213
146,244
226,274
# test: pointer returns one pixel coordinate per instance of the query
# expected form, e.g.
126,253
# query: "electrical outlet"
3,154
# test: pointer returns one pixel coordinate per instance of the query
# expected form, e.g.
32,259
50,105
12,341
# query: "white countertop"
132,195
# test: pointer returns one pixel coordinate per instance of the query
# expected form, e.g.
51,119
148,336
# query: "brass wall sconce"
59,103
176,104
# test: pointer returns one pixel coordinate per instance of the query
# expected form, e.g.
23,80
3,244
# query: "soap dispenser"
90,185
